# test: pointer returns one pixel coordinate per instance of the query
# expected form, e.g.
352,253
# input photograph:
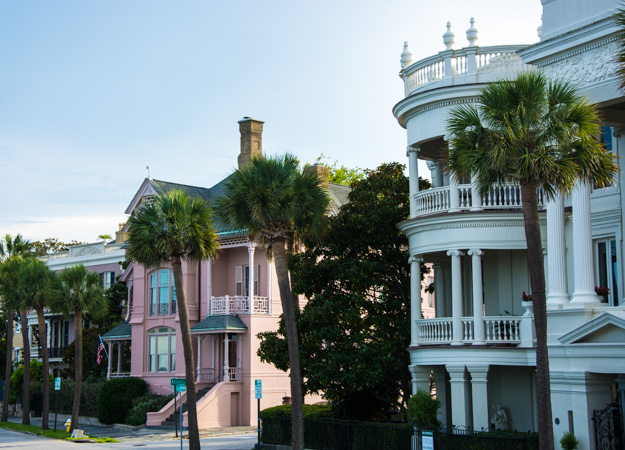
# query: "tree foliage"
341,174
355,327
619,18
52,245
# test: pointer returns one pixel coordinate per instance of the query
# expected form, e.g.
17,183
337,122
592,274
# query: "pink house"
230,299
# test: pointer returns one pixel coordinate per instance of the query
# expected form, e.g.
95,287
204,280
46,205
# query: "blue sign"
258,389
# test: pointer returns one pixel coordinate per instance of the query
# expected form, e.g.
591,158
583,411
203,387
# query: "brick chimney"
322,172
251,139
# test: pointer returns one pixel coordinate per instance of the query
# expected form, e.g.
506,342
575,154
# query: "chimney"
251,139
121,235
322,172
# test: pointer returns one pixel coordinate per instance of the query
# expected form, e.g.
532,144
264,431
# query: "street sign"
57,384
427,440
178,381
258,389
181,387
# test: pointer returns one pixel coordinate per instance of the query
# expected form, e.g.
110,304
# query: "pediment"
608,328
146,189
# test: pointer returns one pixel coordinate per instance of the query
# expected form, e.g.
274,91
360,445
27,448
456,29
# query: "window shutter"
238,280
256,284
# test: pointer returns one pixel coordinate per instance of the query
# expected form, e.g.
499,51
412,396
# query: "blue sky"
92,92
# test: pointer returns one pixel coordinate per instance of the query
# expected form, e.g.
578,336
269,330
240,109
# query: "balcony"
163,309
238,304
465,66
464,197
506,330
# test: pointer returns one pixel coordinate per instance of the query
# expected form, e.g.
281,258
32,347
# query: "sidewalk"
126,433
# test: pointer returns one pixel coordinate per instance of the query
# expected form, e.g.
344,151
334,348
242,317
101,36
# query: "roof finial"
472,33
148,167
406,56
449,38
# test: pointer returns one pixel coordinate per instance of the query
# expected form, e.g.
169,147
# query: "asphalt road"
17,440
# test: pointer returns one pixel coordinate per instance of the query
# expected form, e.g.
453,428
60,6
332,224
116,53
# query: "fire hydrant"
68,424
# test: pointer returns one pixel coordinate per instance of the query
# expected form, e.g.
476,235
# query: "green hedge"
116,397
273,430
145,404
88,397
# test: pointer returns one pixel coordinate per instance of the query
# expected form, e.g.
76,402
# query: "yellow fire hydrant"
68,424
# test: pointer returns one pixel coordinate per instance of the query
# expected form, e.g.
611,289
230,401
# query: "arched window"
162,349
162,293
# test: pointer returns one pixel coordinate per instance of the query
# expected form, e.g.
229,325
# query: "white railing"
497,330
207,374
234,373
502,196
120,375
499,61
237,304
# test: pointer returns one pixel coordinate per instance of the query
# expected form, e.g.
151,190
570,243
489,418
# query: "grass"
60,433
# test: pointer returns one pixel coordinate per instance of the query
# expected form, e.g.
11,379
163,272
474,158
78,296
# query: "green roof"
222,323
120,331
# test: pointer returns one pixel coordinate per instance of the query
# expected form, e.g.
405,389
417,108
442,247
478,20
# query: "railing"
239,305
207,374
163,309
120,375
234,373
497,330
448,65
501,196
56,352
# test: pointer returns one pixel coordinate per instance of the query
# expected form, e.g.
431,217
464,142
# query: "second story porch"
239,304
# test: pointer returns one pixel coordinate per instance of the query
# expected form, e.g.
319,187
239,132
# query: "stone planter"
529,308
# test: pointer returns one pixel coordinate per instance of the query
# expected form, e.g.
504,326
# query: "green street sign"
179,382
57,384
181,387
258,389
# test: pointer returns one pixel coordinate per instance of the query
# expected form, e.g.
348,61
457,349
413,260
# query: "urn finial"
406,56
449,38
472,33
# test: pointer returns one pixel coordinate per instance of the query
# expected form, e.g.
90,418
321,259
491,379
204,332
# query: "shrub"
145,404
116,396
273,430
569,441
423,410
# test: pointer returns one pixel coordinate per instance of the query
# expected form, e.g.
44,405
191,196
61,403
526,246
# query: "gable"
608,328
146,189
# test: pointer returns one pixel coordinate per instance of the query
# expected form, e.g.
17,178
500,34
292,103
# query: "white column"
459,406
108,372
420,378
213,355
199,358
479,389
269,286
478,296
250,251
119,356
456,296
415,297
454,199
413,177
441,392
476,198
209,285
556,253
434,173
226,357
582,247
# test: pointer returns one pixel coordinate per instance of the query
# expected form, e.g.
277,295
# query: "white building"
481,344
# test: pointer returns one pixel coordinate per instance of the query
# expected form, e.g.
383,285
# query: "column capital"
479,372
476,252
455,253
251,245
431,164
415,259
618,132
411,149
455,371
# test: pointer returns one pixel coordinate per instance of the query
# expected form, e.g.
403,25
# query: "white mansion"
481,342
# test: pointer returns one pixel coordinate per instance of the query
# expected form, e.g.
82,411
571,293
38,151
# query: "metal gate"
609,427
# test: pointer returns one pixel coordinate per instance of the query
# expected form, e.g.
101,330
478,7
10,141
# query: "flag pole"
104,346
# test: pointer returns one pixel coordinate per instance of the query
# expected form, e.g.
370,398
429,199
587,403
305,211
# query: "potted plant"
527,301
569,441
602,292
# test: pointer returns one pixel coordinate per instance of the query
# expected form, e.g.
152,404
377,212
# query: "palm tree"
176,227
276,202
78,291
11,248
619,18
542,135
36,283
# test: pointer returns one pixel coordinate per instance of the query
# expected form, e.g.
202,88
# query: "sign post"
57,388
258,394
179,386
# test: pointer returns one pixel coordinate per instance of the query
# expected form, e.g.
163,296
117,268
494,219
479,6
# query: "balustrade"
234,373
237,304
498,330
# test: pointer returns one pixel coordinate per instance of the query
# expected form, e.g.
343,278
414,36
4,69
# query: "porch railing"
234,373
207,374
163,309
237,304
120,375
497,330
439,200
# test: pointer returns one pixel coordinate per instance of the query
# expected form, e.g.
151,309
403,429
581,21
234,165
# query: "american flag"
100,350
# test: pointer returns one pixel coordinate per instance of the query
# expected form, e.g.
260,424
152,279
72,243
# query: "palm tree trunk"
288,310
77,368
43,339
26,389
187,347
537,282
9,366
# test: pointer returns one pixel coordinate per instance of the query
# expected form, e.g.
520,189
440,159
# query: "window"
162,293
162,350
607,270
107,279
242,280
